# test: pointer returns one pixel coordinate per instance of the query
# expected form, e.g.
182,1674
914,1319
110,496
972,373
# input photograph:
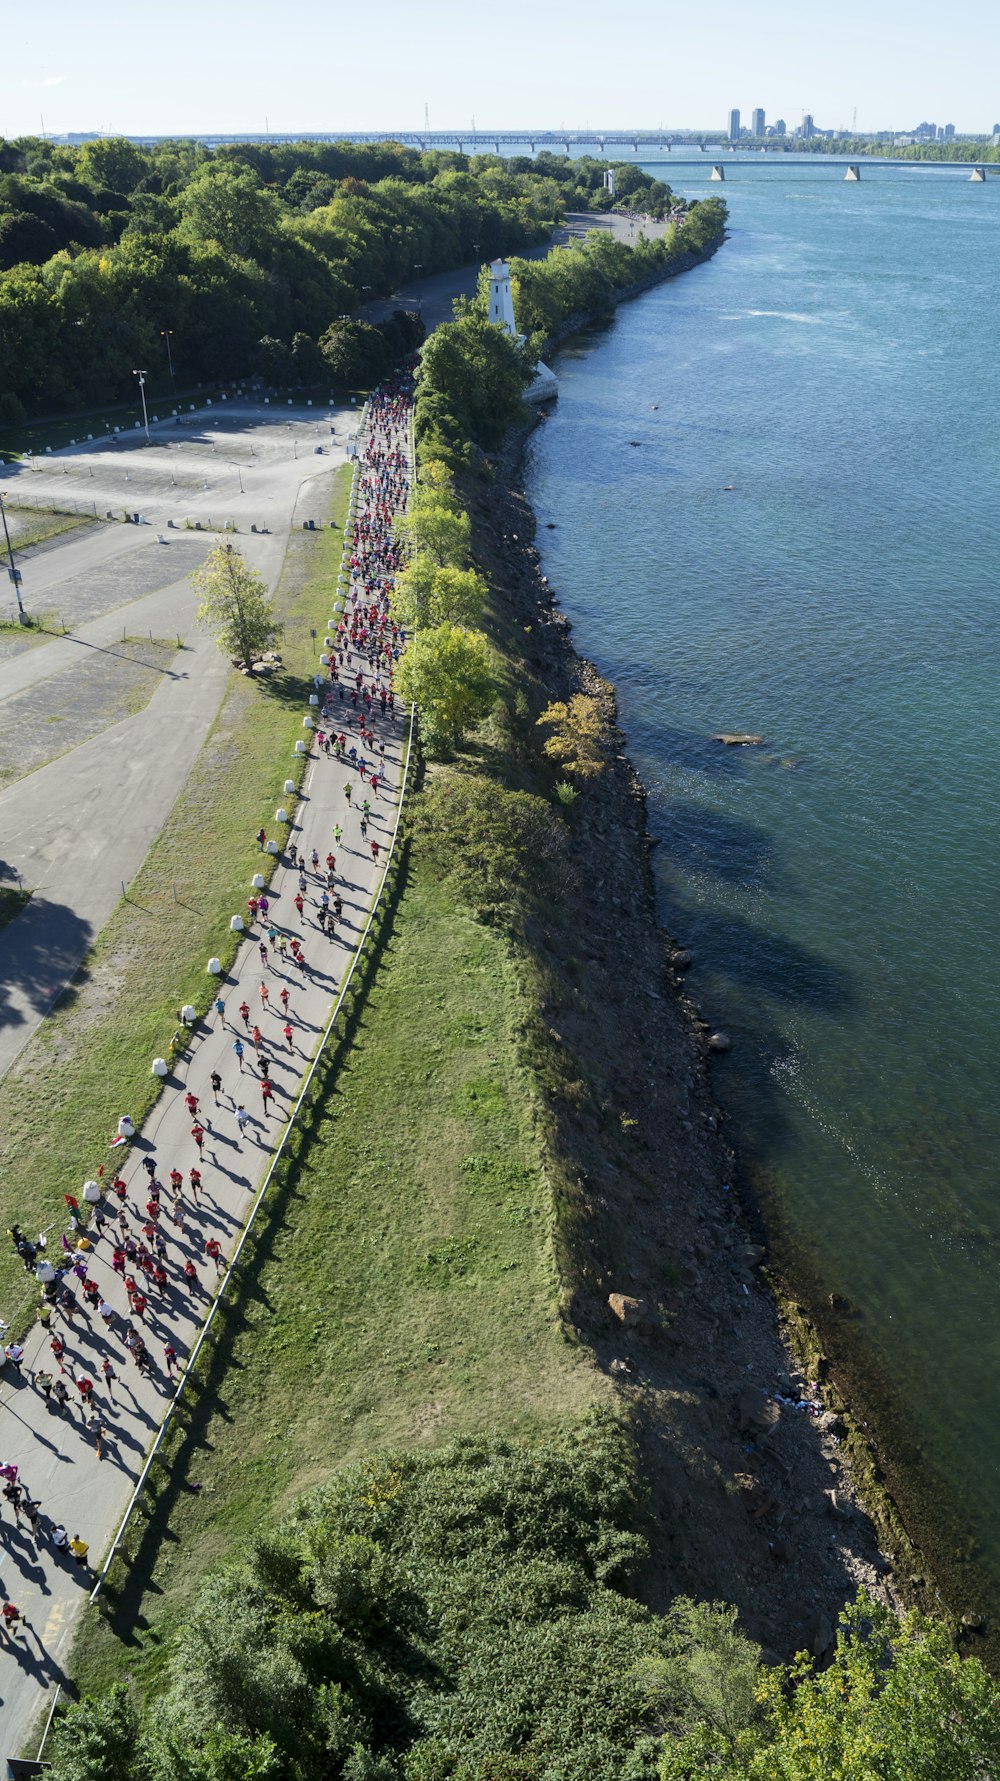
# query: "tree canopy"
236,605
448,673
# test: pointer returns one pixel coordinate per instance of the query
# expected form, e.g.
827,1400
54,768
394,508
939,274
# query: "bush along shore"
620,1595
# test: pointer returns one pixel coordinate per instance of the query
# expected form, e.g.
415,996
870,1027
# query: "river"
773,487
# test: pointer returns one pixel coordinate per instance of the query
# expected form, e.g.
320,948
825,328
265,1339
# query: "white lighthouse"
501,301
545,387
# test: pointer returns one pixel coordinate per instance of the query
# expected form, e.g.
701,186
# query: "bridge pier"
978,176
853,173
717,172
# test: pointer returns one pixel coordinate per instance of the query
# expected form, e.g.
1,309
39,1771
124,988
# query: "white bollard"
236,924
272,847
289,785
314,698
91,1192
281,814
189,1014
160,1066
258,881
214,967
300,748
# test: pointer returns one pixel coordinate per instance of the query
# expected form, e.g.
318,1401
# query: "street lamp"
167,334
239,473
14,573
141,375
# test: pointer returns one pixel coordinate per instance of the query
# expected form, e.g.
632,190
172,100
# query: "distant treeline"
241,258
472,378
909,151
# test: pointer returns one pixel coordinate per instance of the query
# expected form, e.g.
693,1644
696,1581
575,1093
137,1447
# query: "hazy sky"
207,65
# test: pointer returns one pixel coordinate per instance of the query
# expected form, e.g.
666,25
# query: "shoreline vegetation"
253,253
507,1586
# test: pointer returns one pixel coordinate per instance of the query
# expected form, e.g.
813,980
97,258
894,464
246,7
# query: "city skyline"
135,76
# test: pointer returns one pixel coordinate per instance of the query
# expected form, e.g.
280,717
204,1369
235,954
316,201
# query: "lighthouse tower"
501,301
545,387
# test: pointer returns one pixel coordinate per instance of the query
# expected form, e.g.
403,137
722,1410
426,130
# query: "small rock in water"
720,1042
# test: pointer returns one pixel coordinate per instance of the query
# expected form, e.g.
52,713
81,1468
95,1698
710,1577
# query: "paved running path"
53,1450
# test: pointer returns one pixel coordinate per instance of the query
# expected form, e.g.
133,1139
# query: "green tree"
113,162
236,605
447,672
474,373
233,209
896,1704
428,592
97,1739
434,530
354,353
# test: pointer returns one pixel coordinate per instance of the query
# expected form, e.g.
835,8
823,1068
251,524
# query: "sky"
205,66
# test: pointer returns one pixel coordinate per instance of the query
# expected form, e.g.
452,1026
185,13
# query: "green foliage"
236,605
505,850
432,528
897,1703
448,673
355,354
428,592
97,1738
463,1606
470,383
229,247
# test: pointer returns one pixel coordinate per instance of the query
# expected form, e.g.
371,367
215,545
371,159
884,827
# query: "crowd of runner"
153,1241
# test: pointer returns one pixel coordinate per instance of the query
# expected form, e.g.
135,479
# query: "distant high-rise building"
949,132
734,125
808,126
780,127
757,122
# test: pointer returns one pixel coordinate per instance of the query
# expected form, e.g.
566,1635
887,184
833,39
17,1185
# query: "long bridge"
694,148
653,147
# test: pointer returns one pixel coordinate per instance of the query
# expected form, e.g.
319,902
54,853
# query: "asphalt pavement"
75,830
53,1450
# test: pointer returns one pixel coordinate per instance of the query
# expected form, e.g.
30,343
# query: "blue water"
837,364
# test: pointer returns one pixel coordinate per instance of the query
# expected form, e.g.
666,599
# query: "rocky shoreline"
750,1461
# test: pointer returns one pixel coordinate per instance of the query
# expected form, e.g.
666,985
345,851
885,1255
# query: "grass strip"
401,1291
90,1059
34,526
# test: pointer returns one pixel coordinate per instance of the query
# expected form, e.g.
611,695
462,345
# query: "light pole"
141,375
368,301
239,473
14,573
167,335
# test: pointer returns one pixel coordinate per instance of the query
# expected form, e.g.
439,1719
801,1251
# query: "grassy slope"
90,1059
407,1293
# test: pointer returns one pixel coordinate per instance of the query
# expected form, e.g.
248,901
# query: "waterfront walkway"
54,1450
